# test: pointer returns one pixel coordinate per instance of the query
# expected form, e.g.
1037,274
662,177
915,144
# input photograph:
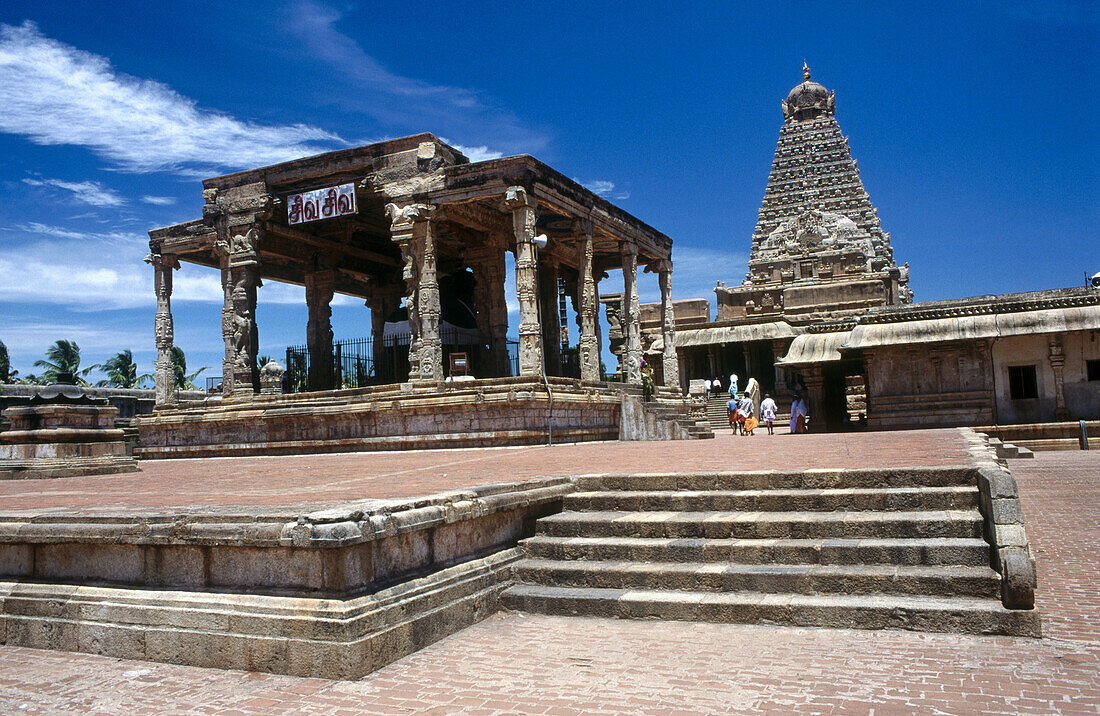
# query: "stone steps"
935,580
830,499
898,548
739,525
965,615
961,551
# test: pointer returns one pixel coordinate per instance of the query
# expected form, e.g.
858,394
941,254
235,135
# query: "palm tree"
121,371
182,380
7,375
63,363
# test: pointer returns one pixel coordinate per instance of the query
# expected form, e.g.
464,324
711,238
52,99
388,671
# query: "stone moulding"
309,637
1010,553
328,593
483,413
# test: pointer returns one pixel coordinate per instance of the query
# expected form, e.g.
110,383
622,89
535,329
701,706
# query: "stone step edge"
720,544
853,570
761,516
941,475
915,613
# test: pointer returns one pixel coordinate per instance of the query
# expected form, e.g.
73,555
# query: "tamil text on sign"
321,204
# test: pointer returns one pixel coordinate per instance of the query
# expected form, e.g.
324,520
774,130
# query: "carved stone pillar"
522,206
244,277
814,378
319,291
487,263
632,330
551,316
589,342
428,305
222,251
410,230
671,364
238,221
1057,359
163,330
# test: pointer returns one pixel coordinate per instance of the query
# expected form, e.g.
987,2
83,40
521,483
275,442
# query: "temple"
412,227
825,311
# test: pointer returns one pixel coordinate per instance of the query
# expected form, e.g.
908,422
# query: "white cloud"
32,338
55,94
605,189
93,271
88,192
477,154
159,200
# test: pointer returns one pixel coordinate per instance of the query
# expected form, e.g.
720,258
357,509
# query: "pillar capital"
404,216
516,197
627,248
158,260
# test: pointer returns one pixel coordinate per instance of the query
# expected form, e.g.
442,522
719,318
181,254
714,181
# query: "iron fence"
359,362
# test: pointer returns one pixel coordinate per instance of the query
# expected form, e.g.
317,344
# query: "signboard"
320,204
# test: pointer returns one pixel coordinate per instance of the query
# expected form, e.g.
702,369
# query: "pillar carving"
244,268
522,206
488,266
410,229
320,285
163,330
671,363
632,331
239,224
589,343
1057,359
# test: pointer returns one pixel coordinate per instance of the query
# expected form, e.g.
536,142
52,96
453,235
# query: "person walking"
798,415
716,385
733,385
731,412
768,409
745,410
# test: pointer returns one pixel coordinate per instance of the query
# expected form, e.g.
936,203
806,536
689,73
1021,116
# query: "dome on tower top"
808,100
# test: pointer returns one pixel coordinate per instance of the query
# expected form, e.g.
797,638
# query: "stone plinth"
333,593
62,433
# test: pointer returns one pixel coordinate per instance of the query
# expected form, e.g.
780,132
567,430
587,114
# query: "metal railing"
358,362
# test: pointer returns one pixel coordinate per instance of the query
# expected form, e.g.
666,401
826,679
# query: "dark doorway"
836,394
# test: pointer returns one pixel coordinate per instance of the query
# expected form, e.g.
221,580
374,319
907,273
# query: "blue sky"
974,126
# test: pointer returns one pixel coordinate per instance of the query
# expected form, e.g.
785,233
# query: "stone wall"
506,411
1082,397
929,386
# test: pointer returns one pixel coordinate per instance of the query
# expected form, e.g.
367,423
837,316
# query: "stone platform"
477,413
334,565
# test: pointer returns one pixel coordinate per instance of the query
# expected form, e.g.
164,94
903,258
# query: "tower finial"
805,71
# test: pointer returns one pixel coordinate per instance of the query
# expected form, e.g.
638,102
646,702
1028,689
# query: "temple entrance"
836,411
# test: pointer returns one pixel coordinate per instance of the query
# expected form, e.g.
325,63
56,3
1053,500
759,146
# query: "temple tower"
818,249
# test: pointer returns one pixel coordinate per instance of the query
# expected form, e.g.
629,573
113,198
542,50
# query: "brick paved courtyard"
515,663
324,480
